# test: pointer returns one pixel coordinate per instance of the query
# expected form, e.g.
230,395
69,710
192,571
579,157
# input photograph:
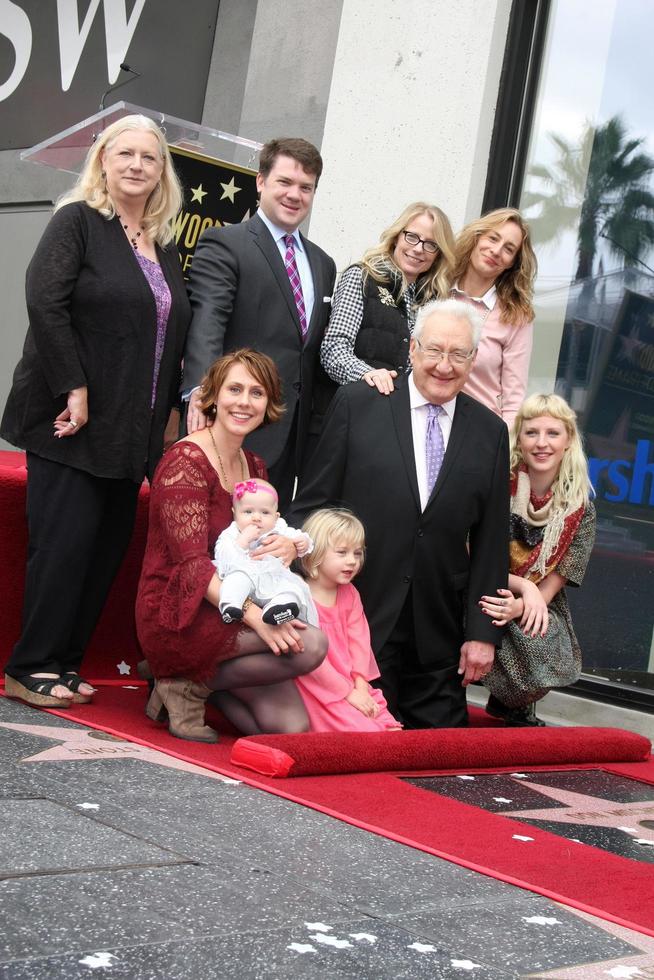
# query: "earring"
103,174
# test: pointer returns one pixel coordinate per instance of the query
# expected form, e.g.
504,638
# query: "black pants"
79,527
282,473
419,696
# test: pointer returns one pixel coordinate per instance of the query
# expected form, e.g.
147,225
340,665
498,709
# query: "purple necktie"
434,446
296,285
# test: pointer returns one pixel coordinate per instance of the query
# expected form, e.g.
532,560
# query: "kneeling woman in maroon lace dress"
248,667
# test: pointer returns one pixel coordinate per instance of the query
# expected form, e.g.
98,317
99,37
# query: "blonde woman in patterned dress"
552,534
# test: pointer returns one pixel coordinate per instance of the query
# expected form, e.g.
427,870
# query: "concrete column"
410,115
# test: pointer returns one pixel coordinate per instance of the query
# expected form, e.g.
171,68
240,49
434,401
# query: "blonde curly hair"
163,203
377,262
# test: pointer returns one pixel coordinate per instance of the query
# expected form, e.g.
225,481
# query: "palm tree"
600,186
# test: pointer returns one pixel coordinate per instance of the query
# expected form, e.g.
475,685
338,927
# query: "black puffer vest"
384,335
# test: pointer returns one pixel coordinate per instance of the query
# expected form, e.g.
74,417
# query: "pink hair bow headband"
251,486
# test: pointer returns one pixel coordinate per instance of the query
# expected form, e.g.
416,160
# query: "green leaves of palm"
601,182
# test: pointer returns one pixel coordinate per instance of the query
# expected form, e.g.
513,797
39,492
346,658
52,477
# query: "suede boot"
185,702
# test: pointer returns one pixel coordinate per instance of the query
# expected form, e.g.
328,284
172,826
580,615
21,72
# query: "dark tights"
255,689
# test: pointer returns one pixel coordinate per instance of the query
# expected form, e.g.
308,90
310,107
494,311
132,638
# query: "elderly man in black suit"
426,468
262,284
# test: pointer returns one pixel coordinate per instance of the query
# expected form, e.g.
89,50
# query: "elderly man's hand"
476,660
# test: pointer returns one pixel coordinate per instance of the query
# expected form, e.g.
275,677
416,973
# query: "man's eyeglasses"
434,355
411,238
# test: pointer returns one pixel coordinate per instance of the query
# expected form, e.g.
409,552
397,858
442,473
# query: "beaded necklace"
133,238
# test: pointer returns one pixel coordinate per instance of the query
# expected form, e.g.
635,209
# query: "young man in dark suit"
435,504
252,285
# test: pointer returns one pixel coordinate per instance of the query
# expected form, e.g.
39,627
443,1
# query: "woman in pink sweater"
494,270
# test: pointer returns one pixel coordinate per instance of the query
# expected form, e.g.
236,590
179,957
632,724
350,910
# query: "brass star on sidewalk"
84,743
229,190
197,193
591,811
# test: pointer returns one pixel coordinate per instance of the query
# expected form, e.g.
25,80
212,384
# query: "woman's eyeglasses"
411,238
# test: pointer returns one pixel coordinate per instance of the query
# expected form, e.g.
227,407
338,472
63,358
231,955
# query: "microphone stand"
112,88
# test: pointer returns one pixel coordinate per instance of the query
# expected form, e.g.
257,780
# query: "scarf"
540,532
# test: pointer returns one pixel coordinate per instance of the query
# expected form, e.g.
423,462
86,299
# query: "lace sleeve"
183,496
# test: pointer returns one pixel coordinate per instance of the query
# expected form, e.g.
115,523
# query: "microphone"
112,88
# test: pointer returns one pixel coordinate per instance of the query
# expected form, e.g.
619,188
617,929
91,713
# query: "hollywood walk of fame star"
197,193
229,190
591,811
90,744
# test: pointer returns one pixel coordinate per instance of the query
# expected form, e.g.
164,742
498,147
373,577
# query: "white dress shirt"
489,299
301,260
419,412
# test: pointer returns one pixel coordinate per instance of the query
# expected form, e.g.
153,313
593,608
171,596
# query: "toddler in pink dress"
337,695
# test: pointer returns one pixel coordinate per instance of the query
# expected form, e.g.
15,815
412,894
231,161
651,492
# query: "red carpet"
316,754
550,865
116,630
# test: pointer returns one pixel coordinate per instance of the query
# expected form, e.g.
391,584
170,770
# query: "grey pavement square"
124,867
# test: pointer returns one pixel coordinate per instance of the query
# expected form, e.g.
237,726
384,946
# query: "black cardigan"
93,321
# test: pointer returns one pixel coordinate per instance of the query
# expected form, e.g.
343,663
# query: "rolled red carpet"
314,754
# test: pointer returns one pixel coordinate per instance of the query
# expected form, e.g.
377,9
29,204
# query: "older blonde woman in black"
92,393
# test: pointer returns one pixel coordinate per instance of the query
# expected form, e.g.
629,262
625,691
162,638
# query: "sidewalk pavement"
120,862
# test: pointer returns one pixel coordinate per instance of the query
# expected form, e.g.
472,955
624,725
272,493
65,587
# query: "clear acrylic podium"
66,150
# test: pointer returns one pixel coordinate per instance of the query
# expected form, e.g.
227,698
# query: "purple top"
161,292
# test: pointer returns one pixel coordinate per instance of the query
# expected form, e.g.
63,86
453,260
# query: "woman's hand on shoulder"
75,415
381,379
285,638
195,417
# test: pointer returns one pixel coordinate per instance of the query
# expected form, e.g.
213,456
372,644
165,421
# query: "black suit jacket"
452,553
241,297
93,322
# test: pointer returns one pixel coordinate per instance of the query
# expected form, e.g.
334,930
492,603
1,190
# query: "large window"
588,192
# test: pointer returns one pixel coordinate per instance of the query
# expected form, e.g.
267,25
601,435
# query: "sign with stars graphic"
216,193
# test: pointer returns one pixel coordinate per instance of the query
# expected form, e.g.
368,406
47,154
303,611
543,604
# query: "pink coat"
499,375
324,690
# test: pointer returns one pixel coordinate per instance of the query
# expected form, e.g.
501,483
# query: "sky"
597,65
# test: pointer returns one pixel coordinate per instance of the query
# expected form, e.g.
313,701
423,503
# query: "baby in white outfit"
281,593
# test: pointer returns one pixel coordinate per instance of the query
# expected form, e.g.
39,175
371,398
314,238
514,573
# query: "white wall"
409,116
